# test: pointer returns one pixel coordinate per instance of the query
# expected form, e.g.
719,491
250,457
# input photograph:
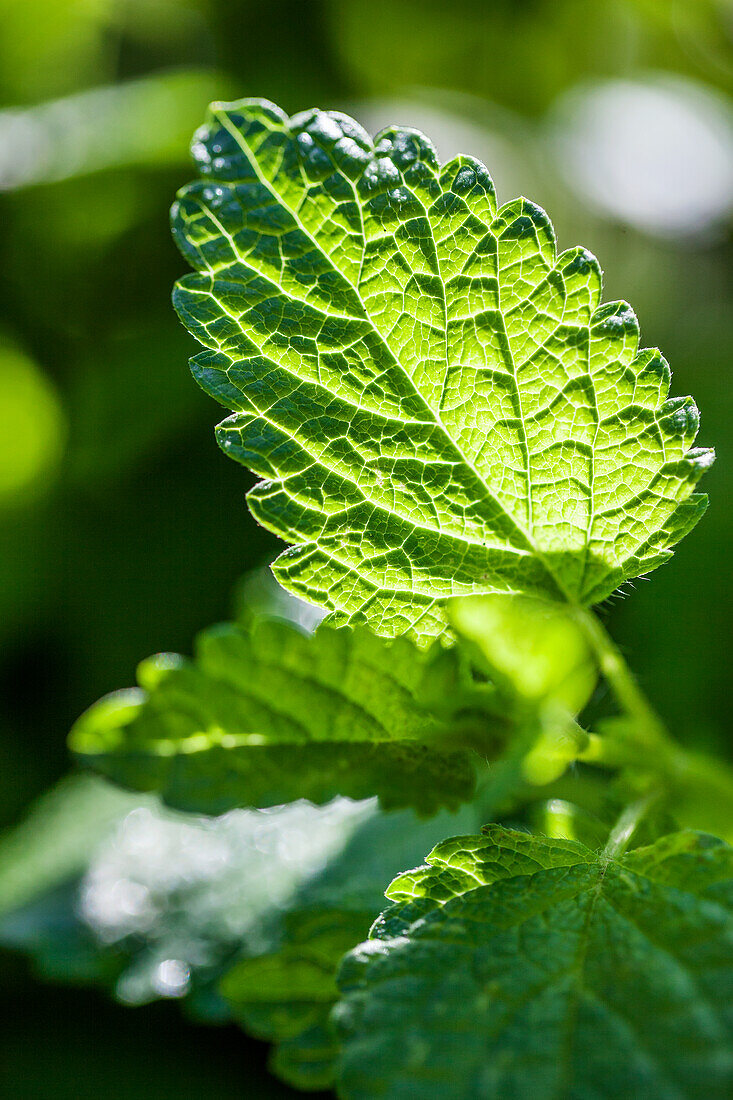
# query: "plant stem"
649,727
629,820
703,788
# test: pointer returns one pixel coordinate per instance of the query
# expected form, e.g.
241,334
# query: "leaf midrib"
223,120
577,971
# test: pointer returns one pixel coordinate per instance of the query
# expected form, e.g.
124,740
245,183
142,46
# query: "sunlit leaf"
436,400
533,644
269,715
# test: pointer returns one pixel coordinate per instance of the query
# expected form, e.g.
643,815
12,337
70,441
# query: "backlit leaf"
437,401
268,715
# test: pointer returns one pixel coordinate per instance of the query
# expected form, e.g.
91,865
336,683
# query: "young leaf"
533,648
437,402
514,965
266,716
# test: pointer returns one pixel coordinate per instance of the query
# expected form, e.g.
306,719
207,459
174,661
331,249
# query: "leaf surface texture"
514,965
268,715
436,400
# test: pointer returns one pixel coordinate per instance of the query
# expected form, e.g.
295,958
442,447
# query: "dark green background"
132,539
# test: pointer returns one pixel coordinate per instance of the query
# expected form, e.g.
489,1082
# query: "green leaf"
122,894
151,904
532,648
437,402
285,994
306,1060
265,714
268,715
514,965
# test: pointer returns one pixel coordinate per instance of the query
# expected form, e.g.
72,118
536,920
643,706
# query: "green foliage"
287,996
265,714
106,887
122,530
32,428
437,400
535,51
516,965
466,449
531,647
269,715
106,127
116,889
56,840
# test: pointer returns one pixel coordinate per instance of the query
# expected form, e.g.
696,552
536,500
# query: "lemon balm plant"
465,451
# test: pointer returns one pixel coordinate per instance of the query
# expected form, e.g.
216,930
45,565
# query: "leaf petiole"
627,824
649,727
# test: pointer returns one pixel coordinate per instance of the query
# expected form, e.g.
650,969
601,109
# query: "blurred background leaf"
615,116
103,888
